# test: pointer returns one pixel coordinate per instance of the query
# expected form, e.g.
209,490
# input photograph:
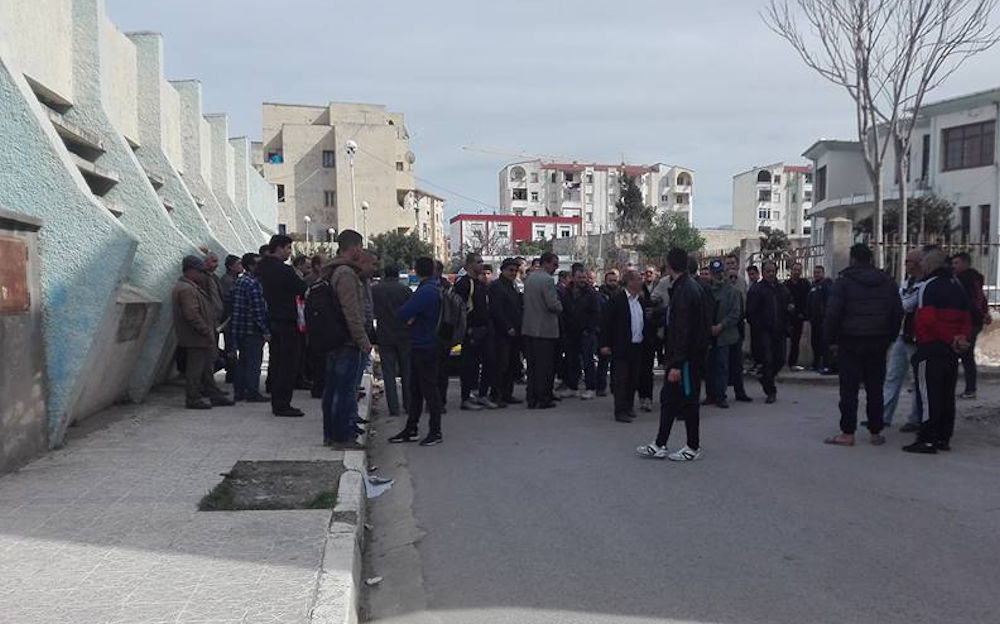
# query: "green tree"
534,248
633,215
672,229
928,216
773,239
399,248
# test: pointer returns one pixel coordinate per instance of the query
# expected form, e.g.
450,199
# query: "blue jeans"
246,381
395,363
900,354
340,394
363,361
717,373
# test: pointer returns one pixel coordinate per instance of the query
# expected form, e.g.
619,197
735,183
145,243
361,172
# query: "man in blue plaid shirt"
250,327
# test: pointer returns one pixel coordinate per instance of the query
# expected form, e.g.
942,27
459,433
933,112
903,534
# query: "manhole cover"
258,485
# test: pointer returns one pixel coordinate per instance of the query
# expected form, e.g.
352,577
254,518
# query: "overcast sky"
700,84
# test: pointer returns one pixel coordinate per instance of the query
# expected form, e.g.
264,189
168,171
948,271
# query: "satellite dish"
411,157
517,174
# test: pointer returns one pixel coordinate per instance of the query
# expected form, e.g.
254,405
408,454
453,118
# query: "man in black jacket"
687,341
972,282
475,373
621,339
607,293
798,289
582,321
768,303
819,292
863,315
392,337
281,287
506,312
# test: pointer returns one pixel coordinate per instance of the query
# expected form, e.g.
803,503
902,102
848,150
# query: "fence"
808,256
985,258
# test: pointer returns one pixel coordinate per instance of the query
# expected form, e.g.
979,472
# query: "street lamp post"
308,220
364,221
331,234
352,149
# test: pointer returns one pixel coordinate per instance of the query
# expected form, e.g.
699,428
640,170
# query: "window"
764,177
985,235
776,196
534,196
664,198
925,156
682,198
534,178
281,193
329,159
590,178
776,215
564,232
519,194
282,228
683,179
795,198
568,176
539,233
809,177
807,195
275,158
764,195
503,231
553,178
777,178
763,214
965,218
399,165
821,183
330,199
968,146
590,198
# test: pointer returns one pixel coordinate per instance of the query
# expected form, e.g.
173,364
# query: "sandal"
844,439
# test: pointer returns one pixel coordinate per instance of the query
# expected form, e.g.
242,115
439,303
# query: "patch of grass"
323,500
219,498
272,485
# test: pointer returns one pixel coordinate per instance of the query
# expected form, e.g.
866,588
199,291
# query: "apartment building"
429,211
307,153
590,191
776,196
496,235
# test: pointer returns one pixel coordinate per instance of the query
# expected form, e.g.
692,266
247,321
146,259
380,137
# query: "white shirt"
635,312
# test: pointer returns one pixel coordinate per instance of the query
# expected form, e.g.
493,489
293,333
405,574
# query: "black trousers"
862,361
969,361
626,376
505,358
424,388
771,357
283,367
317,368
793,348
541,354
936,379
475,367
821,358
442,375
736,368
679,401
650,347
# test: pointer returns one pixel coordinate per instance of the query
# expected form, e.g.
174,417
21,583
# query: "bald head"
933,260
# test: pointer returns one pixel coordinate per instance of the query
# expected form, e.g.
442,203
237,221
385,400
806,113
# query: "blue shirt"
249,309
424,310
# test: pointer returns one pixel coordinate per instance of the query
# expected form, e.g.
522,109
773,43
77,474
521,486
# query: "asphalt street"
549,516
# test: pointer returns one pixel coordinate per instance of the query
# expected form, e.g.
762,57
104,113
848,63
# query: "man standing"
904,348
607,293
736,350
250,330
233,270
421,314
862,317
819,292
943,327
540,331
652,342
506,313
193,323
686,345
725,335
393,337
767,311
621,340
281,287
474,364
972,281
798,289
581,318
340,390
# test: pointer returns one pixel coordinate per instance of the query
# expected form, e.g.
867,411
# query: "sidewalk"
106,529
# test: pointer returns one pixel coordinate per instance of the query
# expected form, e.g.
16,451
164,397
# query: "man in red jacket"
942,328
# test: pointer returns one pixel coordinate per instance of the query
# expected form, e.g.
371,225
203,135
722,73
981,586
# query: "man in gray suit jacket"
540,331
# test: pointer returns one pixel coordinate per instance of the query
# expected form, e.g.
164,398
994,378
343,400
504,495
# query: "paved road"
550,517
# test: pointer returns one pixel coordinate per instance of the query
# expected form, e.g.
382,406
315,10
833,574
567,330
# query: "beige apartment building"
307,153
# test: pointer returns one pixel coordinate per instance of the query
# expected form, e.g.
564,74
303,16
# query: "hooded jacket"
943,313
863,303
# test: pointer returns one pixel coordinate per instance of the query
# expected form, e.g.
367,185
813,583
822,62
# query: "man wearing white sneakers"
687,342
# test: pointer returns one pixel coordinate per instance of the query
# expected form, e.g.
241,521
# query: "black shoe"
289,412
361,421
512,400
771,398
743,398
260,398
602,393
724,404
201,404
909,428
548,405
432,439
501,405
532,405
924,448
404,436
708,401
623,418
222,401
303,384
942,446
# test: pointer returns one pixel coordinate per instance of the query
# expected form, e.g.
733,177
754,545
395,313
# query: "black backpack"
326,326
451,324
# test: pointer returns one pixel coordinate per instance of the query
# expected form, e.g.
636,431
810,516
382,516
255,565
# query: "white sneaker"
652,451
646,405
685,454
586,395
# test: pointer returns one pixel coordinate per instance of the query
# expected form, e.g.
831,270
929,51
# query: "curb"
338,586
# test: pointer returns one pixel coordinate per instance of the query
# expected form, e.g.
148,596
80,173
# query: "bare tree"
487,242
887,55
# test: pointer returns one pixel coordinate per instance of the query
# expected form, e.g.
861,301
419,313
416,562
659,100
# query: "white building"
429,209
776,196
590,191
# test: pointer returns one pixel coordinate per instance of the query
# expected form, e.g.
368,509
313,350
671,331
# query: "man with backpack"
336,321
422,314
474,364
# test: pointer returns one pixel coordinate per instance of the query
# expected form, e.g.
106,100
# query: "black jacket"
581,310
281,285
617,330
387,298
819,292
864,303
767,309
689,322
506,307
479,315
799,292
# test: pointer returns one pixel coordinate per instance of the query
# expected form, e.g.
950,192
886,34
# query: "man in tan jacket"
195,329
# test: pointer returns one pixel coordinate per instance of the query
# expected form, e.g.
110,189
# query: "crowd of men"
563,335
